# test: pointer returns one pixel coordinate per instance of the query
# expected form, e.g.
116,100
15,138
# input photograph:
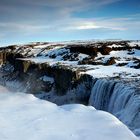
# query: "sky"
23,21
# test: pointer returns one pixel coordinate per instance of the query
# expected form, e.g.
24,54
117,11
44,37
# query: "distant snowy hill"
24,117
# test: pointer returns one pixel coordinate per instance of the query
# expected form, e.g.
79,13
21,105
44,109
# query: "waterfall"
121,100
101,93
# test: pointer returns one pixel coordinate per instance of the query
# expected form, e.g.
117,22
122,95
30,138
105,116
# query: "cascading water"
119,99
100,94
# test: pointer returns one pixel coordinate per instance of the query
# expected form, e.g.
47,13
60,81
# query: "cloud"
40,17
91,24
71,24
50,9
86,26
69,3
34,16
22,29
116,24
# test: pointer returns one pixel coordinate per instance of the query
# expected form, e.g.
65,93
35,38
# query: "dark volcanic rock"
122,64
88,60
64,78
90,50
110,61
104,50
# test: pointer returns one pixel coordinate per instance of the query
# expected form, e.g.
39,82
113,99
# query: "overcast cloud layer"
55,20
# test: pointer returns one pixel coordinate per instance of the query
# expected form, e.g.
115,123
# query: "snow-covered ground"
112,71
126,65
24,117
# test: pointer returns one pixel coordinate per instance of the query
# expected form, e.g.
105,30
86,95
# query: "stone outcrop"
88,49
64,79
110,61
104,50
2,57
88,60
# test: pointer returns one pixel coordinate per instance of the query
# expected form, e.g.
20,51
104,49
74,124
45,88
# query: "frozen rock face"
121,100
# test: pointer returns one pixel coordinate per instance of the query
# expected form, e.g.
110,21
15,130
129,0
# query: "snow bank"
113,71
24,117
134,43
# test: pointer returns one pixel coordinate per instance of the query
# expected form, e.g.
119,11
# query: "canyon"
102,74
